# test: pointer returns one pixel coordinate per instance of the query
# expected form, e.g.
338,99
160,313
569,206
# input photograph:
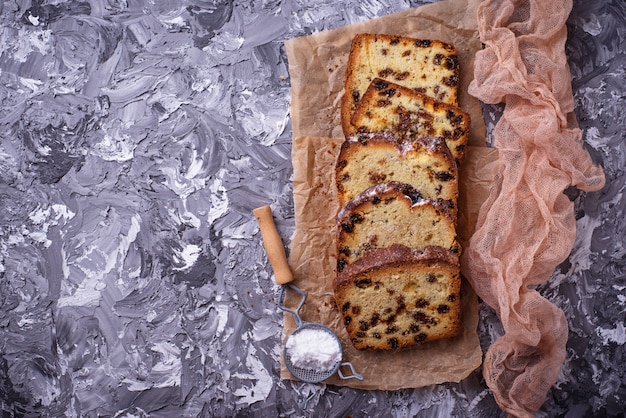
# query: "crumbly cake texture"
399,297
398,273
387,106
392,213
370,159
427,66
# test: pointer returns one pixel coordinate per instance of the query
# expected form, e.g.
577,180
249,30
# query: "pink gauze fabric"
527,226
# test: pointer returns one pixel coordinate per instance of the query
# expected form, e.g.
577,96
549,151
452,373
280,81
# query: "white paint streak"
89,290
166,372
187,257
117,147
33,85
260,120
32,41
259,378
265,328
41,237
581,258
169,365
222,314
219,198
615,335
180,184
86,294
34,20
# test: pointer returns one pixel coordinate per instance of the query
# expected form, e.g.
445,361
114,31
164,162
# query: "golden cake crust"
408,114
393,213
425,65
397,297
370,159
398,274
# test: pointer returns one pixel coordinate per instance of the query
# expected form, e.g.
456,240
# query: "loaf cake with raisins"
393,213
398,297
387,106
398,273
370,159
427,66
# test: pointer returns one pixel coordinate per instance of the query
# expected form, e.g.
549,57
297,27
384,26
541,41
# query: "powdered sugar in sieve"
312,352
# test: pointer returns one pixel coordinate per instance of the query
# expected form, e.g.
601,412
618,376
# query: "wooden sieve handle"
273,245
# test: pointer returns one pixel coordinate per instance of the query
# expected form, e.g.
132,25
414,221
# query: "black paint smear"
15,209
582,48
62,157
49,13
61,124
12,403
109,37
202,272
207,21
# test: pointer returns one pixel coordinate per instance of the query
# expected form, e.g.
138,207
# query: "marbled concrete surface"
135,139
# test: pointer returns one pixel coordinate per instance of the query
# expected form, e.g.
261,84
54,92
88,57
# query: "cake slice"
397,297
392,213
388,106
427,66
370,159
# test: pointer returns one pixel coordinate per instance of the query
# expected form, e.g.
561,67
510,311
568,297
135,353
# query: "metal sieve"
310,375
284,276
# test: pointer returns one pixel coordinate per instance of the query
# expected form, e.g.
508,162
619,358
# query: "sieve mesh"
311,375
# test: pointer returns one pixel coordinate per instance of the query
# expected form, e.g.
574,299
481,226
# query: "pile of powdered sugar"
314,349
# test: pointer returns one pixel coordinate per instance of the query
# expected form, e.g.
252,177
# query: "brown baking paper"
317,69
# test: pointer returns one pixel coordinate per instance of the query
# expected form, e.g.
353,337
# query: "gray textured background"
135,139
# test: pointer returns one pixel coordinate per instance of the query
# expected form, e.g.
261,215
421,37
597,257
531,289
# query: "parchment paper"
317,70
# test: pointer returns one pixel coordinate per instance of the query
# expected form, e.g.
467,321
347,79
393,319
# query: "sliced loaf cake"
398,274
393,213
427,66
397,297
370,159
387,106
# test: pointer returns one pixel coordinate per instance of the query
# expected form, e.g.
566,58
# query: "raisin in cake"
393,213
370,159
387,106
398,297
427,66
